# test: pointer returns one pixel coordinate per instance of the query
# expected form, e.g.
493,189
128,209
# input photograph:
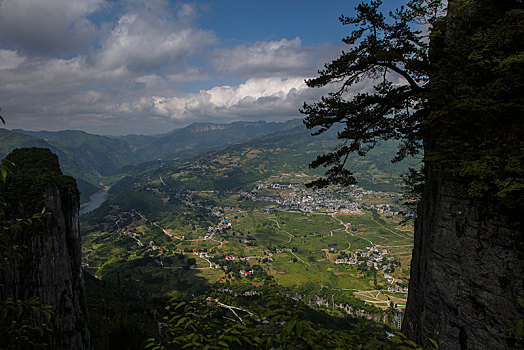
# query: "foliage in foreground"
206,323
24,323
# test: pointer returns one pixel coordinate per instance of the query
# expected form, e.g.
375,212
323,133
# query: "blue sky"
129,66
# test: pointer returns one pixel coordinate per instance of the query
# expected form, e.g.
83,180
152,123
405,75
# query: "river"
96,200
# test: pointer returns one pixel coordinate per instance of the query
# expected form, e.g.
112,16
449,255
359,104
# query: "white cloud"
189,74
48,27
138,53
264,58
10,59
256,98
145,41
140,75
253,89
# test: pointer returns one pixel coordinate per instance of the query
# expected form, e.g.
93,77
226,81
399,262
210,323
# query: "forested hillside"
390,217
94,159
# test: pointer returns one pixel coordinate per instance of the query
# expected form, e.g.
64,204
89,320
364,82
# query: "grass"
351,280
290,274
302,225
317,239
379,229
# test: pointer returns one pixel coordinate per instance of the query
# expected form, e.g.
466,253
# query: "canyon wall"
49,265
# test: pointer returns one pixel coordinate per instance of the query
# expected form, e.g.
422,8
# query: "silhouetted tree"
448,84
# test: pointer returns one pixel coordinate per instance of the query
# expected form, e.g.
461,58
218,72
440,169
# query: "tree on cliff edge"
455,96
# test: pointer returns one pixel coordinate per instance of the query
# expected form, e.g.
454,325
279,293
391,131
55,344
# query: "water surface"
96,200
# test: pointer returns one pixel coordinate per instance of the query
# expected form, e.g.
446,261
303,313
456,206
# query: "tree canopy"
454,94
394,56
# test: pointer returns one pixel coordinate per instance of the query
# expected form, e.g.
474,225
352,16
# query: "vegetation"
23,323
276,322
460,104
147,210
466,109
114,233
278,326
118,318
33,170
244,275
476,99
264,147
380,50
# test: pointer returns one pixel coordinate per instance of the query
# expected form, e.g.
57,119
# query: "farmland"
313,241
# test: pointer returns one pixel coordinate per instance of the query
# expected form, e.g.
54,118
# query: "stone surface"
50,265
466,272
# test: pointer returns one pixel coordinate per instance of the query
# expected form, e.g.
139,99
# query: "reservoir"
96,200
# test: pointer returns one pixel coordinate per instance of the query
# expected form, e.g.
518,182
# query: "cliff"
466,272
466,281
50,263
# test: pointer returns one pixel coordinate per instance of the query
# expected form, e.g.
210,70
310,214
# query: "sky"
116,67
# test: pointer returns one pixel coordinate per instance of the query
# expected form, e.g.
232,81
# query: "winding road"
290,235
347,228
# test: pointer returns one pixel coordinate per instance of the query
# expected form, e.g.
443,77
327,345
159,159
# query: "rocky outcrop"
50,264
466,271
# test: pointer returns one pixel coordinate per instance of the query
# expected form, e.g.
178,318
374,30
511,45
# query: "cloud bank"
139,67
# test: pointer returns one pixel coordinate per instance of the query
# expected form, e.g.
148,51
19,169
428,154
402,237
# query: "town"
253,243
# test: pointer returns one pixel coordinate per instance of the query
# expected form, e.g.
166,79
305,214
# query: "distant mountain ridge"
90,158
279,146
200,136
237,166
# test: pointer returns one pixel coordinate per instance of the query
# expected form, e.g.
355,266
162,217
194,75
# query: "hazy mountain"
11,140
199,136
220,155
239,165
92,157
95,155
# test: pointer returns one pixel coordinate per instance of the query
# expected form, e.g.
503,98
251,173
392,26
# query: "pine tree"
451,90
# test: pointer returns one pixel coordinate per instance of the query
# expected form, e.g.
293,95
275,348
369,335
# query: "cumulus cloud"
145,52
10,59
264,58
273,58
146,40
140,70
190,74
257,98
48,27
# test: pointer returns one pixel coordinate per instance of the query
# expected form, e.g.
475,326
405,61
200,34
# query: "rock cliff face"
50,266
466,272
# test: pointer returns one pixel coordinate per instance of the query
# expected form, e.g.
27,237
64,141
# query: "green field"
297,250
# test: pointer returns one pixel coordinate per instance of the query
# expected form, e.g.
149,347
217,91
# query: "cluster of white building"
306,200
374,256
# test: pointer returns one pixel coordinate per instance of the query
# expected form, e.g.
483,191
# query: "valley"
334,246
243,175
224,209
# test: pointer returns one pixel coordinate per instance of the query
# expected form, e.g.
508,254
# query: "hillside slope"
209,156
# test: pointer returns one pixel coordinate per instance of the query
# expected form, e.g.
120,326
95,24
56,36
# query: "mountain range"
96,160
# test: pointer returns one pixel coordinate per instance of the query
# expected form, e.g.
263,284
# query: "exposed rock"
50,266
466,271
